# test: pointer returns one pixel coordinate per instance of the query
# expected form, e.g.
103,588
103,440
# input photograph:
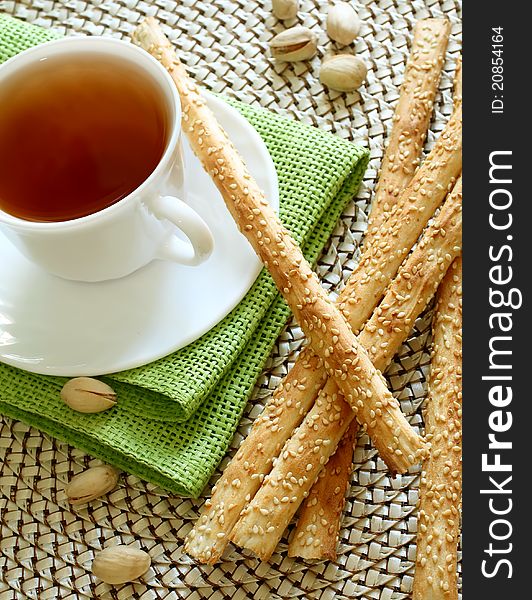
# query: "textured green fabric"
175,417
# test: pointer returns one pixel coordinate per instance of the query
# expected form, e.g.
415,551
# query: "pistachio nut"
296,43
120,564
343,72
285,9
91,484
343,23
88,395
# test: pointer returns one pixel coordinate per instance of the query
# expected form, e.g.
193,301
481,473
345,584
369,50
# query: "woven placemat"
45,547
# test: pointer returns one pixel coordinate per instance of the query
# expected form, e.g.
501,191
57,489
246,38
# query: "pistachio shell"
285,9
343,72
343,23
91,484
120,564
88,395
296,43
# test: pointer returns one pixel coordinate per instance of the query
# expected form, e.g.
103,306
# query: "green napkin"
175,417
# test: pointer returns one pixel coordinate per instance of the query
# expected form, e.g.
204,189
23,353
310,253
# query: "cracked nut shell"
88,395
296,43
91,484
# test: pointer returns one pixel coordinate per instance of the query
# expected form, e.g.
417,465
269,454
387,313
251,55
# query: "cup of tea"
91,169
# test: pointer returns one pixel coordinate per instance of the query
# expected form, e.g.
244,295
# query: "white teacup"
137,229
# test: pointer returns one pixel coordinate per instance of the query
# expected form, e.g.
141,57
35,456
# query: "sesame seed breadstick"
328,333
416,282
295,470
318,501
406,220
295,396
435,577
382,336
458,81
316,534
244,474
411,119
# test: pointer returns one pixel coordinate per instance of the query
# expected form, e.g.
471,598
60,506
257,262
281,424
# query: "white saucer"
58,327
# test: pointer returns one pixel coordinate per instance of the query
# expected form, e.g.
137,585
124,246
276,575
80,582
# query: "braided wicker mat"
46,548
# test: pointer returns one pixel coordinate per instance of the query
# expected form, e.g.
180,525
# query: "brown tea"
77,134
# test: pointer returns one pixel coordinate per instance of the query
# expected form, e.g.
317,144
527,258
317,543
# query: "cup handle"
200,244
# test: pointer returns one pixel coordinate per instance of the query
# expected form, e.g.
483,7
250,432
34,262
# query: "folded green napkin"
175,417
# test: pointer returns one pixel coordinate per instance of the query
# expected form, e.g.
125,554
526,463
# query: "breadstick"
411,119
244,474
458,81
319,493
264,520
416,205
435,577
329,493
382,336
295,470
294,397
327,331
415,283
